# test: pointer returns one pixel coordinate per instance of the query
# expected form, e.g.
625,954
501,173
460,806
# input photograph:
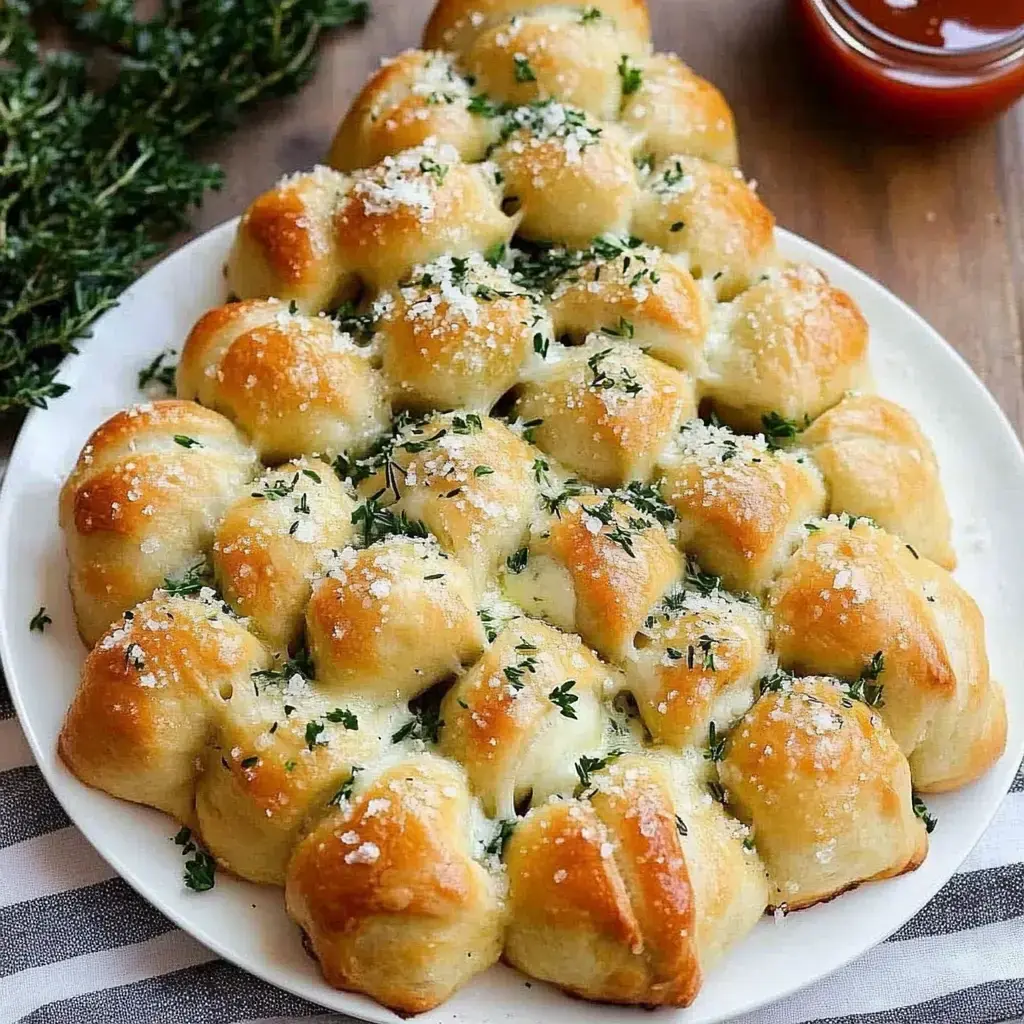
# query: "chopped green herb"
523,71
344,716
157,373
921,810
563,698
187,442
516,562
39,621
496,846
345,790
632,77
716,744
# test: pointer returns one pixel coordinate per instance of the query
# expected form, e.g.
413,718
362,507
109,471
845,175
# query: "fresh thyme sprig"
98,175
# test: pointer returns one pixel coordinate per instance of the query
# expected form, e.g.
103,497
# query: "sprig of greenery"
97,176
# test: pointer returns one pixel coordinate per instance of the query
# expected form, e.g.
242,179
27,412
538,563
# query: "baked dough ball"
388,893
414,97
554,54
596,567
415,206
285,244
629,897
152,691
675,111
638,291
790,345
877,463
826,789
740,505
854,596
572,176
391,620
441,480
279,758
698,660
708,214
270,543
294,383
456,334
142,503
521,717
606,410
454,24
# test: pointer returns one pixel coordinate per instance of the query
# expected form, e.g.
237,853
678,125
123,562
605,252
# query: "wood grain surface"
941,223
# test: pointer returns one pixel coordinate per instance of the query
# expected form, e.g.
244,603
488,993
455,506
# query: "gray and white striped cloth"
78,946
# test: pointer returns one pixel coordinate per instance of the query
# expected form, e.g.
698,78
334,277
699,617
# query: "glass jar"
925,87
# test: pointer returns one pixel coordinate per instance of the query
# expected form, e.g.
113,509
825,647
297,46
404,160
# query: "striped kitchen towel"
78,946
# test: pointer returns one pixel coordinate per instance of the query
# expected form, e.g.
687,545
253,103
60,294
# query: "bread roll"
454,24
596,567
457,333
698,660
153,691
391,620
709,215
606,410
877,463
629,897
827,791
142,503
388,893
480,518
639,291
294,383
675,111
415,206
411,98
521,717
271,542
285,244
791,345
554,54
740,505
854,599
572,177
278,761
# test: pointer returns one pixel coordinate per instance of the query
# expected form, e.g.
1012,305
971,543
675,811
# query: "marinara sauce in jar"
930,64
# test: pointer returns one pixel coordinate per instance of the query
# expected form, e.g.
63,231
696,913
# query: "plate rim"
366,1008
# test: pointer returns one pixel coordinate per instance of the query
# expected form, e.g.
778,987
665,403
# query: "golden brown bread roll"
271,542
522,716
152,692
441,480
572,177
790,345
740,505
142,503
630,896
556,54
388,893
854,598
597,566
606,410
698,660
280,756
709,215
456,334
819,777
675,111
285,244
877,463
411,98
454,24
391,620
640,291
415,206
294,383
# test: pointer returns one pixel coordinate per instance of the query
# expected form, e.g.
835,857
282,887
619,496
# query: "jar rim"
993,50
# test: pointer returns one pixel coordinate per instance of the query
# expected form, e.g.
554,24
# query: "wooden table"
940,223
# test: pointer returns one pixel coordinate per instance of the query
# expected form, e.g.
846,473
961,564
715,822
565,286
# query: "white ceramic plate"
983,471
